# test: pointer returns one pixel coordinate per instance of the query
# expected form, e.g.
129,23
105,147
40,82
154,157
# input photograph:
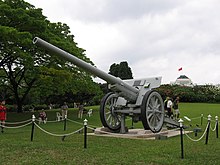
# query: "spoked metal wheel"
152,111
107,112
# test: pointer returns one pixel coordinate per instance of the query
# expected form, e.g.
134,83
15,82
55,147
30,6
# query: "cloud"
110,11
155,37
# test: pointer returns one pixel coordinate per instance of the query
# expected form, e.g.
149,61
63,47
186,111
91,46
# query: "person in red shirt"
42,117
2,114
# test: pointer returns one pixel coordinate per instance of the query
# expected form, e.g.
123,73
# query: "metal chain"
195,118
196,140
74,121
19,122
16,126
81,123
214,128
53,134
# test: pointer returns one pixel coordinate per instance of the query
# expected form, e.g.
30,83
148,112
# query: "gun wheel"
108,116
152,111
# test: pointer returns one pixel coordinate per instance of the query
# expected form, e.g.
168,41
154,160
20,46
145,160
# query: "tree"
197,93
17,64
24,66
121,70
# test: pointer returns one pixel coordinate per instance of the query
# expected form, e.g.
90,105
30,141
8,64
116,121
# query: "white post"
209,117
207,131
85,133
33,118
216,119
201,118
181,136
85,122
32,129
65,116
181,122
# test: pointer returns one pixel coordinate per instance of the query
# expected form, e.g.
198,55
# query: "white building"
183,80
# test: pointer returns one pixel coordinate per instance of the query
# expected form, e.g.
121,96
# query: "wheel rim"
154,112
109,118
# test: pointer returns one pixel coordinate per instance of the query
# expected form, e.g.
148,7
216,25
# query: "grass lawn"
17,148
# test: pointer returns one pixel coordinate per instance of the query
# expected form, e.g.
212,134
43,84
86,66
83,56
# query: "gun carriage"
134,98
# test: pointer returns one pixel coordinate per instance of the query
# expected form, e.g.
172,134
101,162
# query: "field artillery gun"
134,98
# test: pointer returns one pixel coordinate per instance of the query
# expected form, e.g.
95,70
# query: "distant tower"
183,80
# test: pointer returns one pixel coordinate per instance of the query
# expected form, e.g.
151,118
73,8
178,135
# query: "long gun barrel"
128,91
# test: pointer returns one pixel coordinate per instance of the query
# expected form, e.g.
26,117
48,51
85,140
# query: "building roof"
184,81
183,77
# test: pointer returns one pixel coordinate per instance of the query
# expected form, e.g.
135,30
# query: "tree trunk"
19,107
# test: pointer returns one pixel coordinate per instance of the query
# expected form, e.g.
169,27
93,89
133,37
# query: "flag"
180,69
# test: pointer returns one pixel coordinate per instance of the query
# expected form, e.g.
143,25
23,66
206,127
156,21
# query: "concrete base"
137,133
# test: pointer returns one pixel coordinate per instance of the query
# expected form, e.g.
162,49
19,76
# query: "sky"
155,37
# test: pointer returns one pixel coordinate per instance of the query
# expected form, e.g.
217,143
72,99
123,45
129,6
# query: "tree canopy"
197,93
26,69
121,70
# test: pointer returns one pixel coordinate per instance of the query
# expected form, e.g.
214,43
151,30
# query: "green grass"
17,148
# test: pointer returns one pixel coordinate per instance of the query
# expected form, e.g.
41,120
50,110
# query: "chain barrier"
210,120
212,128
51,121
90,127
19,122
195,118
93,129
196,140
3,126
54,121
74,121
60,135
82,123
205,118
202,117
199,117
